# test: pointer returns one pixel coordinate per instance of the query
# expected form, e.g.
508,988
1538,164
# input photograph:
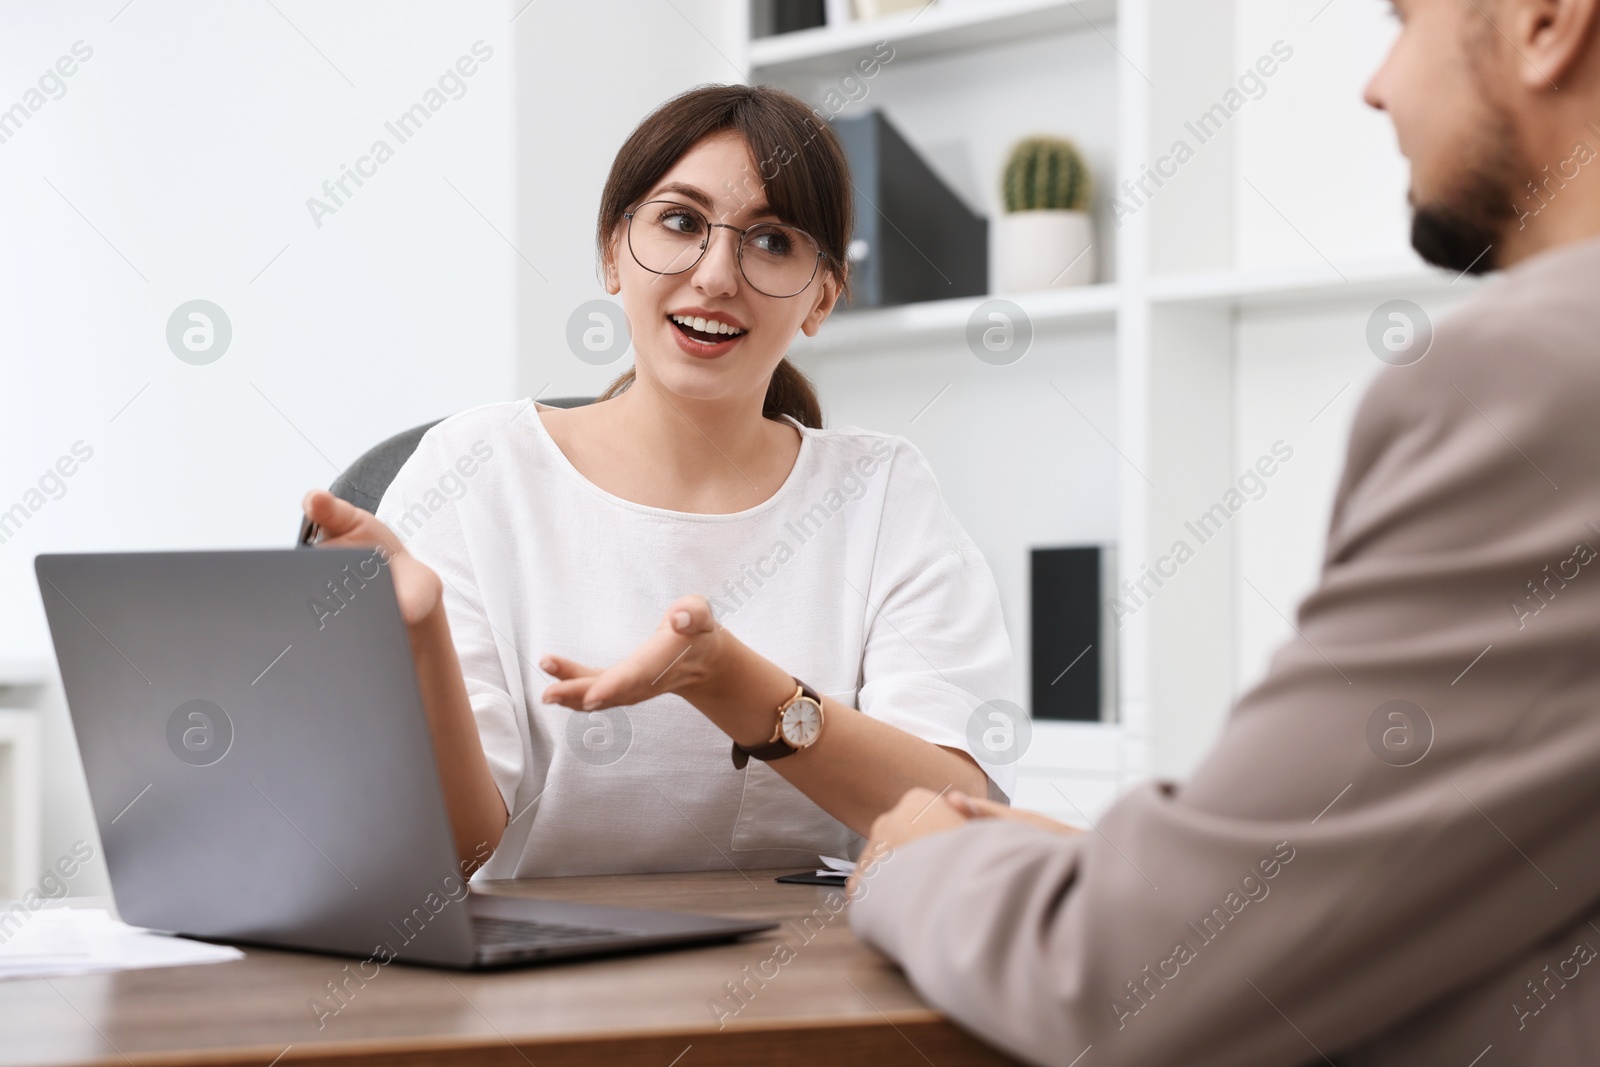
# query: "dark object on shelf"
768,17
813,878
1072,652
915,238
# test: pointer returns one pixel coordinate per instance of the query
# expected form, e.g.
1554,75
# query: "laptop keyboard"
527,933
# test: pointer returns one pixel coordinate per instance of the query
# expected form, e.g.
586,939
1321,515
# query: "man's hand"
922,812
977,808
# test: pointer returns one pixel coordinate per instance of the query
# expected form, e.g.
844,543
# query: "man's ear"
1553,36
826,299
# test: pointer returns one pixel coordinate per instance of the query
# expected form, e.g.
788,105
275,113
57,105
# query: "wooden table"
829,1000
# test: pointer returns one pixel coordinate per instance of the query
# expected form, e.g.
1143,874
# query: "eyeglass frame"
705,246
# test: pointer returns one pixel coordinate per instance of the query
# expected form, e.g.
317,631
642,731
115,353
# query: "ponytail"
791,393
788,393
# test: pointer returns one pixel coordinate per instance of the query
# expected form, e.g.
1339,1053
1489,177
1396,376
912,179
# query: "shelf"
1094,307
831,51
1083,307
1306,286
25,670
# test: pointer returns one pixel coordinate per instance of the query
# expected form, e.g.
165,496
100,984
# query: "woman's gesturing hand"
417,588
679,657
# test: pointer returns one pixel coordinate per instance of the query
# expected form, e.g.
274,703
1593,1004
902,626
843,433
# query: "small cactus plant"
1045,174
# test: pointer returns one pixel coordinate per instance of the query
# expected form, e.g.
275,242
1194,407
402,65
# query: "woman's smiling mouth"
705,336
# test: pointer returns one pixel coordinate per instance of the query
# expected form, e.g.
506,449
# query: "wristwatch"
799,725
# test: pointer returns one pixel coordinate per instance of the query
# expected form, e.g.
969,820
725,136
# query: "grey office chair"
363,483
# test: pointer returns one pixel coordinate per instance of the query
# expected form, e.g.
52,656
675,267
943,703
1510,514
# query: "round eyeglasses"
667,237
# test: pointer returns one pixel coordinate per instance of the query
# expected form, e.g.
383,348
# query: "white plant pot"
1043,250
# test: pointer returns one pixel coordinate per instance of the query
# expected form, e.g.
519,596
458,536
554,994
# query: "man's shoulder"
1497,414
1537,324
1528,341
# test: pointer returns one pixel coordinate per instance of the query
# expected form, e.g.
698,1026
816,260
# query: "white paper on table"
48,934
69,941
836,868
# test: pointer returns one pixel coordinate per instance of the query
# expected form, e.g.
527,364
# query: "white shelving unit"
925,32
1094,307
1089,307
1307,287
21,775
1170,306
21,806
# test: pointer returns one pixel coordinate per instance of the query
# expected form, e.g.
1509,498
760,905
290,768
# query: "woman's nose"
717,273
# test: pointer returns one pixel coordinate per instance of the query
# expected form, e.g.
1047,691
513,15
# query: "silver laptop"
262,772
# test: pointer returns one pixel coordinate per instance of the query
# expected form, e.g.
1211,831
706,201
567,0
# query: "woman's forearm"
477,813
858,769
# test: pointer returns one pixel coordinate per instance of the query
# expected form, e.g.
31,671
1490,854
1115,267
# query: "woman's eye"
679,222
772,243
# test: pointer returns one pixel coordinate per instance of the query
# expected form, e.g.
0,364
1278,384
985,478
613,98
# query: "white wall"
1314,151
187,146
587,74
1330,166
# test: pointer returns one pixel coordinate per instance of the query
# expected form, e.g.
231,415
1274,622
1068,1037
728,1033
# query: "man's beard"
1460,231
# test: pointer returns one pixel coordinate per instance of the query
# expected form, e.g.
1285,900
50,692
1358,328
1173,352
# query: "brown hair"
802,170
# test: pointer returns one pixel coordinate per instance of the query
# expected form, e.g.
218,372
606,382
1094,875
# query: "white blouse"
853,577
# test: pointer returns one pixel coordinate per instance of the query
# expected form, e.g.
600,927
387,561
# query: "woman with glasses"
686,627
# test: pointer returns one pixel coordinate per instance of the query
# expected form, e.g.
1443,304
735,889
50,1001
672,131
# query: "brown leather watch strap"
779,748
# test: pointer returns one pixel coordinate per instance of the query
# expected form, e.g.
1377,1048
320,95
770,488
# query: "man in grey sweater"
1392,856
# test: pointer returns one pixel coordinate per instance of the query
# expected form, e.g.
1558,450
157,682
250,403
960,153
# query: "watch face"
802,723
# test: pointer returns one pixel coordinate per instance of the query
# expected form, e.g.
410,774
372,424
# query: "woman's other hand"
417,588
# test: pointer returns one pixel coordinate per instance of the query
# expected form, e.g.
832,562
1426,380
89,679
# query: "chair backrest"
364,482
